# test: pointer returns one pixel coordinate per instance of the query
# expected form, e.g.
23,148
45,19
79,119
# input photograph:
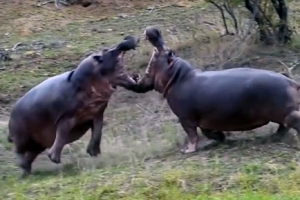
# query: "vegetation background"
140,153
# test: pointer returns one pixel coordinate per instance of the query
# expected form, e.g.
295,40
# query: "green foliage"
271,21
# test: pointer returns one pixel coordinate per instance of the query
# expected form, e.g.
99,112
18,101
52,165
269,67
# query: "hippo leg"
280,133
26,160
93,148
60,141
293,121
193,137
218,136
27,154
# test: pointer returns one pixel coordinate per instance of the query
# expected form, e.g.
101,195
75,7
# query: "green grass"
180,179
140,149
78,37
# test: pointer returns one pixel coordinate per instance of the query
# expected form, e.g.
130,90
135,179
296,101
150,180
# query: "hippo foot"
289,139
187,151
293,141
54,158
191,148
24,174
24,165
93,150
26,171
276,137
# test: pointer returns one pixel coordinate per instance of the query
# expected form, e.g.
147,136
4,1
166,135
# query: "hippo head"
105,69
154,36
162,56
110,62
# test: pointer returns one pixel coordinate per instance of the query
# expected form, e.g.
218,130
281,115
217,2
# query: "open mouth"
144,37
121,56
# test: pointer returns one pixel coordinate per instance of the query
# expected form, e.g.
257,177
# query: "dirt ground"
140,129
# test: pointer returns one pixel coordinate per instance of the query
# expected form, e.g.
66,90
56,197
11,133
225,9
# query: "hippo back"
228,91
47,100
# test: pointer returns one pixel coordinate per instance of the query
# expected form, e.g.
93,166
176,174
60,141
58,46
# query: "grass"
247,177
69,42
141,139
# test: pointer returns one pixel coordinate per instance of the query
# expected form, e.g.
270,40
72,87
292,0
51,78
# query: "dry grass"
140,158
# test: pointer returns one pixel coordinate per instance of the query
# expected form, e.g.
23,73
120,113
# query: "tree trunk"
265,34
282,34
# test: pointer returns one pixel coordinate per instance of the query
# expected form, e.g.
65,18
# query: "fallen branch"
208,23
15,46
59,2
46,2
291,68
56,2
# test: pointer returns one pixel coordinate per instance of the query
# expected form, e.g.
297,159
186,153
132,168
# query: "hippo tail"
10,139
295,84
10,136
11,131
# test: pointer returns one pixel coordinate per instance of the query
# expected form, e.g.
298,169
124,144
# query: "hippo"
237,99
61,109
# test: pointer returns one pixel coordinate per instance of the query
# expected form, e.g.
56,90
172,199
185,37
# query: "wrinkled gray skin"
237,99
63,108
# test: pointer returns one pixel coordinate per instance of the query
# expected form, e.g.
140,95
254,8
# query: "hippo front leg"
93,148
141,88
62,133
191,130
141,85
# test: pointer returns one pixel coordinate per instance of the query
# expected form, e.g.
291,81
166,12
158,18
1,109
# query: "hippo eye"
98,58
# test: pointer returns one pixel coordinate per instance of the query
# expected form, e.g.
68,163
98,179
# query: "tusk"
144,36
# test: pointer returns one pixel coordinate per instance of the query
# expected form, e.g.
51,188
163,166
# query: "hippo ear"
98,58
170,55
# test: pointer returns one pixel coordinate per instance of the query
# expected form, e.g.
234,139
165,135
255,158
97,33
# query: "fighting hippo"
236,99
62,108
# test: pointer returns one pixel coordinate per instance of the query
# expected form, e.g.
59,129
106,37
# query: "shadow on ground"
236,145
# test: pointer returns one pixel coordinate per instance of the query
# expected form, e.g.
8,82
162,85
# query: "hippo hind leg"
293,121
218,136
280,133
27,153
